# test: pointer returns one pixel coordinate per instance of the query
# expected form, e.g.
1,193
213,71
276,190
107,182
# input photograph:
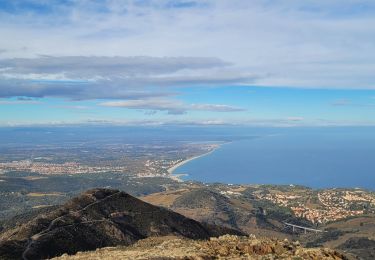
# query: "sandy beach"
174,167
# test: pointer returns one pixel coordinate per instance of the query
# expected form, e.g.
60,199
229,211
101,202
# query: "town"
321,207
143,163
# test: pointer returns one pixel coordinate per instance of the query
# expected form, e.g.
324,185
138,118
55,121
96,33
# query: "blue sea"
318,158
315,157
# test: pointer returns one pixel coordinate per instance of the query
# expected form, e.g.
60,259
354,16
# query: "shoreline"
174,167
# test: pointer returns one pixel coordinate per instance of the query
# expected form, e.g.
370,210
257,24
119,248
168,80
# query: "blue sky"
261,62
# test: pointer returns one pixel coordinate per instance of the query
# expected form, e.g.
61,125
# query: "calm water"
318,159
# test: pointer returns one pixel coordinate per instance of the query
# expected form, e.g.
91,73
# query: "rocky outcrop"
224,247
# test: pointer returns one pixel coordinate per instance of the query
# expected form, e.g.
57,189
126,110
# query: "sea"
318,157
315,157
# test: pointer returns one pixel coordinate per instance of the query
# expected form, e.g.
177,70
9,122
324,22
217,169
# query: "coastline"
174,167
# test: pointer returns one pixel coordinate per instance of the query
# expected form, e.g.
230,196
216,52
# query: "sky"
208,62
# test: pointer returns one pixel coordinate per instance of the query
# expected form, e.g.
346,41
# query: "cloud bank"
171,106
80,77
164,55
307,44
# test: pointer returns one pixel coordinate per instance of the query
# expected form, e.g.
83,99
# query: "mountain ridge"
98,218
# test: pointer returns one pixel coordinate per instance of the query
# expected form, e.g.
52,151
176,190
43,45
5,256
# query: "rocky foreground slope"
98,218
224,247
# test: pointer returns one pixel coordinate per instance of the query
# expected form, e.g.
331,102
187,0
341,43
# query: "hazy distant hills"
98,218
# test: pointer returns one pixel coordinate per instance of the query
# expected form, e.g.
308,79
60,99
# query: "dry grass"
41,206
164,199
225,247
33,178
40,194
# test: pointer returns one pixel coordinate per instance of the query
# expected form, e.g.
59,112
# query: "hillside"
98,218
224,247
251,210
241,212
353,235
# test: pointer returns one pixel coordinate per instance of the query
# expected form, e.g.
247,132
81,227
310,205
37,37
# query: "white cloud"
295,118
325,44
20,101
99,66
173,107
80,77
